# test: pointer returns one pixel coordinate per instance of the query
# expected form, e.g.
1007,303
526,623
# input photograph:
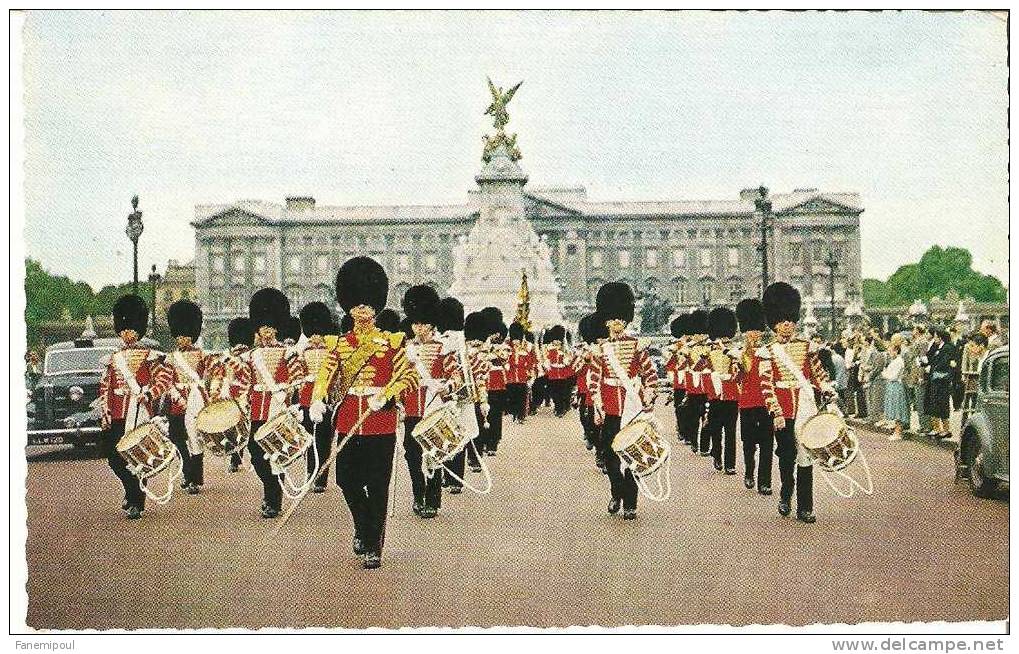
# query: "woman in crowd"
896,405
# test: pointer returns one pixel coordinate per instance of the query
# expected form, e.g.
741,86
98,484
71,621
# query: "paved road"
540,550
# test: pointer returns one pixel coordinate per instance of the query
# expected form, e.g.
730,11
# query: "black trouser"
108,443
193,466
491,436
324,434
427,490
539,393
622,484
757,430
722,417
272,491
516,398
560,391
237,458
677,405
480,441
690,420
803,482
363,470
857,393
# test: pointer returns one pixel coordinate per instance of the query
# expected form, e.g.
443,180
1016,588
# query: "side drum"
147,450
283,439
640,448
439,434
223,427
830,441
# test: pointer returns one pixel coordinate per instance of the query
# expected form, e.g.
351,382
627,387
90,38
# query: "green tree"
938,271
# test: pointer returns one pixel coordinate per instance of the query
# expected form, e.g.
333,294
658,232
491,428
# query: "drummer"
675,368
187,394
316,324
135,377
229,375
797,373
424,351
618,399
276,372
754,374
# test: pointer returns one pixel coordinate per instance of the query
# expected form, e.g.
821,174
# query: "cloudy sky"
907,108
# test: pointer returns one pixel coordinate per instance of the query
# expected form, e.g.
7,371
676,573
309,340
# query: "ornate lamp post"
134,231
763,206
154,279
832,264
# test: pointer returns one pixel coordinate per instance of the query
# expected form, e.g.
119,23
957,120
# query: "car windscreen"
76,360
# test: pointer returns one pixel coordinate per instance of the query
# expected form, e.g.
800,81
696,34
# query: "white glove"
317,411
295,409
376,402
485,408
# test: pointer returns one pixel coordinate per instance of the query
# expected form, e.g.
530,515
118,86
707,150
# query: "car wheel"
982,486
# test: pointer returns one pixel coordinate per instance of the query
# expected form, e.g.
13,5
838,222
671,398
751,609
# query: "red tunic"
182,383
521,365
557,363
151,375
287,371
431,361
608,391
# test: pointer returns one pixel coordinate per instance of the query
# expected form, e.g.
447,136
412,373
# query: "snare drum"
147,450
283,439
641,448
439,434
223,427
830,441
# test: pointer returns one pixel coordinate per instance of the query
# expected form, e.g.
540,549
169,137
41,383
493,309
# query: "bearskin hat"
451,315
269,308
781,302
678,326
721,323
332,329
555,333
346,323
503,331
493,316
316,319
240,332
388,320
475,327
406,326
291,329
750,313
529,337
131,312
362,280
697,322
584,328
421,304
615,301
516,331
184,318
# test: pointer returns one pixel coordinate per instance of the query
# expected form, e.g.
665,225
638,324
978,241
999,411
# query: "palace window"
571,249
651,257
596,261
733,256
705,255
796,253
624,258
239,263
294,263
678,258
258,263
681,291
218,264
431,262
322,262
735,291
403,263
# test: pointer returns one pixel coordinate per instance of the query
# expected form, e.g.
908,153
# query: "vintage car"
982,457
62,404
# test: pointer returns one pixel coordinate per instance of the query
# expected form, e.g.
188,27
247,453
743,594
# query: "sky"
908,109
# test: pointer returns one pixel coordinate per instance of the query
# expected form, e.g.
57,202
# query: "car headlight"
76,393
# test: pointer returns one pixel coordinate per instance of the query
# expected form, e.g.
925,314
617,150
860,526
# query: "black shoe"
372,560
590,446
748,482
319,489
717,463
709,454
124,506
417,508
133,513
490,452
784,508
731,471
233,468
806,516
428,512
455,490
764,490
614,507
193,489
358,546
630,514
269,512
475,468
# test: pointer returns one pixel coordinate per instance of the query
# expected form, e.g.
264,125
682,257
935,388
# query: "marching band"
301,392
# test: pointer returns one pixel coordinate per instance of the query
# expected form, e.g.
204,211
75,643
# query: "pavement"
540,550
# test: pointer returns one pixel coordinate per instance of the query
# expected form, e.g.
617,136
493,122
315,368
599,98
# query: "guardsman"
475,332
135,377
316,323
581,365
498,357
388,320
424,351
277,371
186,396
229,375
798,373
558,369
520,370
623,382
592,331
675,368
697,371
757,425
722,390
366,371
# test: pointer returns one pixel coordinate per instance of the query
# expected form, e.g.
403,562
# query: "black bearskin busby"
451,315
475,327
781,302
502,331
291,329
516,331
269,308
678,326
750,313
362,280
697,322
240,332
493,316
585,328
555,333
346,323
315,319
615,301
131,312
184,318
421,304
721,323
406,326
388,320
529,337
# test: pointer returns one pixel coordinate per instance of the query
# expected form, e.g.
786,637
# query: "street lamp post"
763,206
832,264
154,279
134,231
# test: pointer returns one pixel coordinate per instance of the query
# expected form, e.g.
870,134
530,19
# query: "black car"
63,406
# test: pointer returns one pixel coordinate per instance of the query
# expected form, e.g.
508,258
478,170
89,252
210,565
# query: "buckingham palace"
690,252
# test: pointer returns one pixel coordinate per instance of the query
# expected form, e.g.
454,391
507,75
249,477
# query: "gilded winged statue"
499,101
